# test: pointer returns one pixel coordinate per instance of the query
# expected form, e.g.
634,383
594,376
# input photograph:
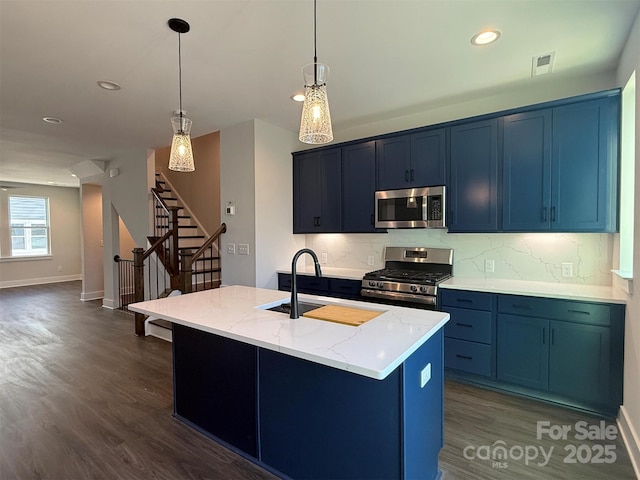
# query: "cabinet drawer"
566,310
465,299
467,356
471,325
344,288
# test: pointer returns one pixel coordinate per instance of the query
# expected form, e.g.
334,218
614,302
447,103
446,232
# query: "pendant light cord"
315,52
180,76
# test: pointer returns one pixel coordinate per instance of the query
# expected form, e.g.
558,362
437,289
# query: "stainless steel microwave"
422,207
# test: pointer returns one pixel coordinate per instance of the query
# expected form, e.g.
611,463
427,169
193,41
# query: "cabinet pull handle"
406,175
544,214
373,220
464,325
553,335
553,214
544,335
318,221
582,312
464,356
413,175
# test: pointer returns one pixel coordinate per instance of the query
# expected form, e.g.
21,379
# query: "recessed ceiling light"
297,97
485,37
51,183
74,175
107,85
51,120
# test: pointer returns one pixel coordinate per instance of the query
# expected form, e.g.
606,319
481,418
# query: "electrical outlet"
323,257
489,266
567,269
231,248
425,375
59,268
243,249
370,260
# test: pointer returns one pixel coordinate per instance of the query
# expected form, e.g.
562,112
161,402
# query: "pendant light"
315,125
181,157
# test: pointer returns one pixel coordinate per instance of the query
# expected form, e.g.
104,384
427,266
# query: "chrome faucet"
294,288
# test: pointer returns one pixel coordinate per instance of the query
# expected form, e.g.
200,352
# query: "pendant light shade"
315,124
181,156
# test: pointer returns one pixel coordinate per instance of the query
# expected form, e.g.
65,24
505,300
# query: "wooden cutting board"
346,315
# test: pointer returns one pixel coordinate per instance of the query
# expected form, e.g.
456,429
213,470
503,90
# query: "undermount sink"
303,307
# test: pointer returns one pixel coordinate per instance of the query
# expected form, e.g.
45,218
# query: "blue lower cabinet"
579,361
523,350
471,357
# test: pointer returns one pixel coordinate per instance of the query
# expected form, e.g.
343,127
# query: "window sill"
26,258
623,279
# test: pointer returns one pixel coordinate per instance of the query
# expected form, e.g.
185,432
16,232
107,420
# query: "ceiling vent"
541,64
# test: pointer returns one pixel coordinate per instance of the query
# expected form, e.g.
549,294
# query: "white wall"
274,200
237,185
92,255
125,196
64,263
256,177
629,417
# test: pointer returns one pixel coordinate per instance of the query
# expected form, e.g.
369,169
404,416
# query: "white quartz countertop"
568,291
374,349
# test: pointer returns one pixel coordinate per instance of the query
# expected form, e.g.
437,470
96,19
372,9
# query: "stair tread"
190,236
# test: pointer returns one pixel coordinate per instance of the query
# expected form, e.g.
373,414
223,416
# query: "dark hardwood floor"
82,397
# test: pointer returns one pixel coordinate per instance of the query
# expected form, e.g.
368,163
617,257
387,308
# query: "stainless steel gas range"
410,277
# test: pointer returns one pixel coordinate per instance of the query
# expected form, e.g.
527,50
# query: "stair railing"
187,272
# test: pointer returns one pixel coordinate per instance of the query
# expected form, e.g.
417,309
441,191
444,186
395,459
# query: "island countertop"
373,349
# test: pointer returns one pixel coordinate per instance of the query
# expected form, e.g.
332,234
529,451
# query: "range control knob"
372,283
414,288
380,284
423,289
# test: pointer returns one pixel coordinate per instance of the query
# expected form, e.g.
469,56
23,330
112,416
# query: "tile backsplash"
521,256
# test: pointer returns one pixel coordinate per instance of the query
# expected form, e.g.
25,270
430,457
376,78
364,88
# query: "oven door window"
404,209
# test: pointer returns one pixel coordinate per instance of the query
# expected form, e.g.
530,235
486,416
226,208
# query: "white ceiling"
242,59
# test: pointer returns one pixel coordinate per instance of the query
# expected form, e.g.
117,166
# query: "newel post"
186,272
138,287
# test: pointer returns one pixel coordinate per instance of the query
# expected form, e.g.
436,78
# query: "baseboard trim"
631,439
109,303
39,281
97,295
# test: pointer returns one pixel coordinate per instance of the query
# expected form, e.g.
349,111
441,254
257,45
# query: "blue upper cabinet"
414,160
584,166
473,177
317,199
358,187
560,168
527,171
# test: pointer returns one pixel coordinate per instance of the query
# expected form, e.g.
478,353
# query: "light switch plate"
243,249
231,248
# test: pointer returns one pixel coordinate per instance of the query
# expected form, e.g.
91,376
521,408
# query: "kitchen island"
308,398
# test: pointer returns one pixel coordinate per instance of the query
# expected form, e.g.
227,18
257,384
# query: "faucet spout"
294,288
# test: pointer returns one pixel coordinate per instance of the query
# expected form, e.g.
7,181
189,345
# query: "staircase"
182,257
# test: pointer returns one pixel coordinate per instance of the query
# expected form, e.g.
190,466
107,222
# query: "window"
29,222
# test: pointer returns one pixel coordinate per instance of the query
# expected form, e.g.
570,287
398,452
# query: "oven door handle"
400,298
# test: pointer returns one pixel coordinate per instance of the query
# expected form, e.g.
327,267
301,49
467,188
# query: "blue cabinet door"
393,162
317,190
527,172
473,182
428,158
585,161
523,350
579,361
358,187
